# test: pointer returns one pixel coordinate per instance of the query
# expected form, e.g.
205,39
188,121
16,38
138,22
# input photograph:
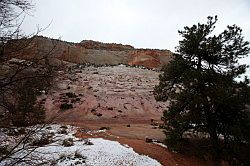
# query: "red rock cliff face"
87,52
38,48
149,58
140,57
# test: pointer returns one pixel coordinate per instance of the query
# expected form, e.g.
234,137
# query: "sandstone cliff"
87,51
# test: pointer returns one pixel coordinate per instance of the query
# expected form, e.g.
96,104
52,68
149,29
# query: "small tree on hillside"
203,93
21,82
28,110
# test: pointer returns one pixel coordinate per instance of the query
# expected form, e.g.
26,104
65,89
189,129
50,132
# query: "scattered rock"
148,140
99,114
93,110
70,94
87,142
65,100
64,127
104,128
110,108
154,123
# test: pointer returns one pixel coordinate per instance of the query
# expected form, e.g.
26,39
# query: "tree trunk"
214,139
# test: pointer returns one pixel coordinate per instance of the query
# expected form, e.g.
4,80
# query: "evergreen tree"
204,96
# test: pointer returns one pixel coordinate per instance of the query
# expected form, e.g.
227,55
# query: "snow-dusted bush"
68,142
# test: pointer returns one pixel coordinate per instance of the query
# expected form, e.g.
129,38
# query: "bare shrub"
68,142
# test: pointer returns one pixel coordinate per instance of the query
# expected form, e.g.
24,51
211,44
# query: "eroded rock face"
90,44
87,51
149,58
109,94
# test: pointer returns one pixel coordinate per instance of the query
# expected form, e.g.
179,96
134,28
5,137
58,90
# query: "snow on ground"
89,152
161,144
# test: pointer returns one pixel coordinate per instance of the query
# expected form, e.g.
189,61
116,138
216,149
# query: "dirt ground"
135,131
135,135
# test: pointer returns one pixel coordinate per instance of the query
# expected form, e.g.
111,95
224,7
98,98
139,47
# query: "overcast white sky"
141,23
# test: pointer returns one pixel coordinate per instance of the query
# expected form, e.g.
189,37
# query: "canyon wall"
87,51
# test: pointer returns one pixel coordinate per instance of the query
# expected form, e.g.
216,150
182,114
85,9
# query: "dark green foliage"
79,155
63,131
4,150
65,106
70,95
28,111
204,96
68,142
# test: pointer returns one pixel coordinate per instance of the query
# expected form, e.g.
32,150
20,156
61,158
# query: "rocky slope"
86,51
116,94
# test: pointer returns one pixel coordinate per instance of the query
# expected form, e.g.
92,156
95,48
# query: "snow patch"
161,144
93,151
